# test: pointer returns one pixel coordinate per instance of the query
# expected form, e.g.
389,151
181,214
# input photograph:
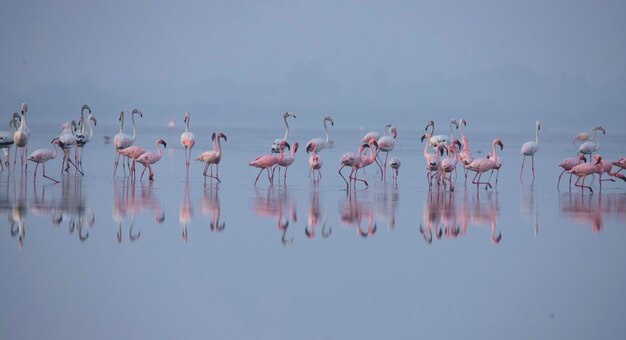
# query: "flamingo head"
93,119
85,107
462,121
425,136
374,143
74,126
393,132
329,119
212,136
283,144
538,126
186,117
160,141
310,147
121,116
15,120
597,159
582,157
295,147
137,112
497,141
24,108
457,142
221,135
455,123
289,114
429,124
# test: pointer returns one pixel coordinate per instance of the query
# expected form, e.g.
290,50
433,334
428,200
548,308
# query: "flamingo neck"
495,156
122,122
426,154
159,151
90,129
463,137
219,146
456,154
82,120
23,121
432,129
54,150
187,124
287,128
326,129
537,135
132,119
451,132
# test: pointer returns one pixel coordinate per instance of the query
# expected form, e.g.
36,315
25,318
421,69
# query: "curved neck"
54,150
132,119
280,156
463,138
81,121
432,129
537,135
187,124
90,129
219,146
287,128
451,132
23,121
160,152
326,129
456,154
426,154
495,156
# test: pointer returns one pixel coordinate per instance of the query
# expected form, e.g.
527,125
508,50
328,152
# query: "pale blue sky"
365,62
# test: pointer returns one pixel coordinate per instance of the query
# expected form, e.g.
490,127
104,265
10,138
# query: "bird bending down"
20,138
529,149
266,162
149,158
318,144
286,161
315,164
41,156
482,165
213,157
567,164
187,140
276,142
357,161
394,164
585,169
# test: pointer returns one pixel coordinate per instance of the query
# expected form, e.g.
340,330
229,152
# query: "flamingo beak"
288,146
458,143
501,145
224,136
212,136
422,139
309,147
164,144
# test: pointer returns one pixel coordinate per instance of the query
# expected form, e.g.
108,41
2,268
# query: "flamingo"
122,140
432,160
315,163
621,164
567,164
6,138
82,139
529,149
482,165
585,136
149,158
286,161
187,140
496,167
41,156
439,139
132,153
375,135
268,161
67,140
585,169
465,155
394,163
213,157
357,161
318,144
386,143
276,142
607,167
449,164
593,143
20,138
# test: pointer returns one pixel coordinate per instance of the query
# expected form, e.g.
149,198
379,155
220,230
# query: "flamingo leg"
35,175
285,177
77,169
117,158
385,168
206,167
144,170
44,174
271,178
532,157
521,171
582,186
151,177
358,179
344,179
257,176
559,181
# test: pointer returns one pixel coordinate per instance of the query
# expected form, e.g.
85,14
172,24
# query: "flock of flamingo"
442,153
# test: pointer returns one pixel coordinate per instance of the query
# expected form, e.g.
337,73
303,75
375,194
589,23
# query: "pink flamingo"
266,162
68,140
482,165
187,140
20,138
585,169
621,164
435,140
286,161
149,158
357,161
41,156
607,167
567,164
449,164
276,142
213,157
375,135
315,163
465,155
529,149
122,140
132,153
432,160
81,137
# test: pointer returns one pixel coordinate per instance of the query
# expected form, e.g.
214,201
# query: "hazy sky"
365,62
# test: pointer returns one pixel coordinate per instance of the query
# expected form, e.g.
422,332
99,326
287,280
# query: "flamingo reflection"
480,214
127,205
386,203
439,217
588,210
186,212
72,206
527,205
315,216
211,206
273,204
352,213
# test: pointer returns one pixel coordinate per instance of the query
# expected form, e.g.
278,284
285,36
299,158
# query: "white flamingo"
386,144
81,138
122,140
150,158
6,139
213,157
440,139
276,142
318,144
187,140
41,156
529,149
20,138
592,144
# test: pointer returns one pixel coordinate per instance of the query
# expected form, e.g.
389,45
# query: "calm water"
98,257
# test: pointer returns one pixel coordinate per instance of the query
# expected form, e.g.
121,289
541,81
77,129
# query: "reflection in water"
125,203
211,206
73,207
353,212
186,212
315,213
272,203
386,203
527,205
592,210
441,216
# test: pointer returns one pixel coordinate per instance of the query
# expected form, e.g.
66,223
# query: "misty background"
501,65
